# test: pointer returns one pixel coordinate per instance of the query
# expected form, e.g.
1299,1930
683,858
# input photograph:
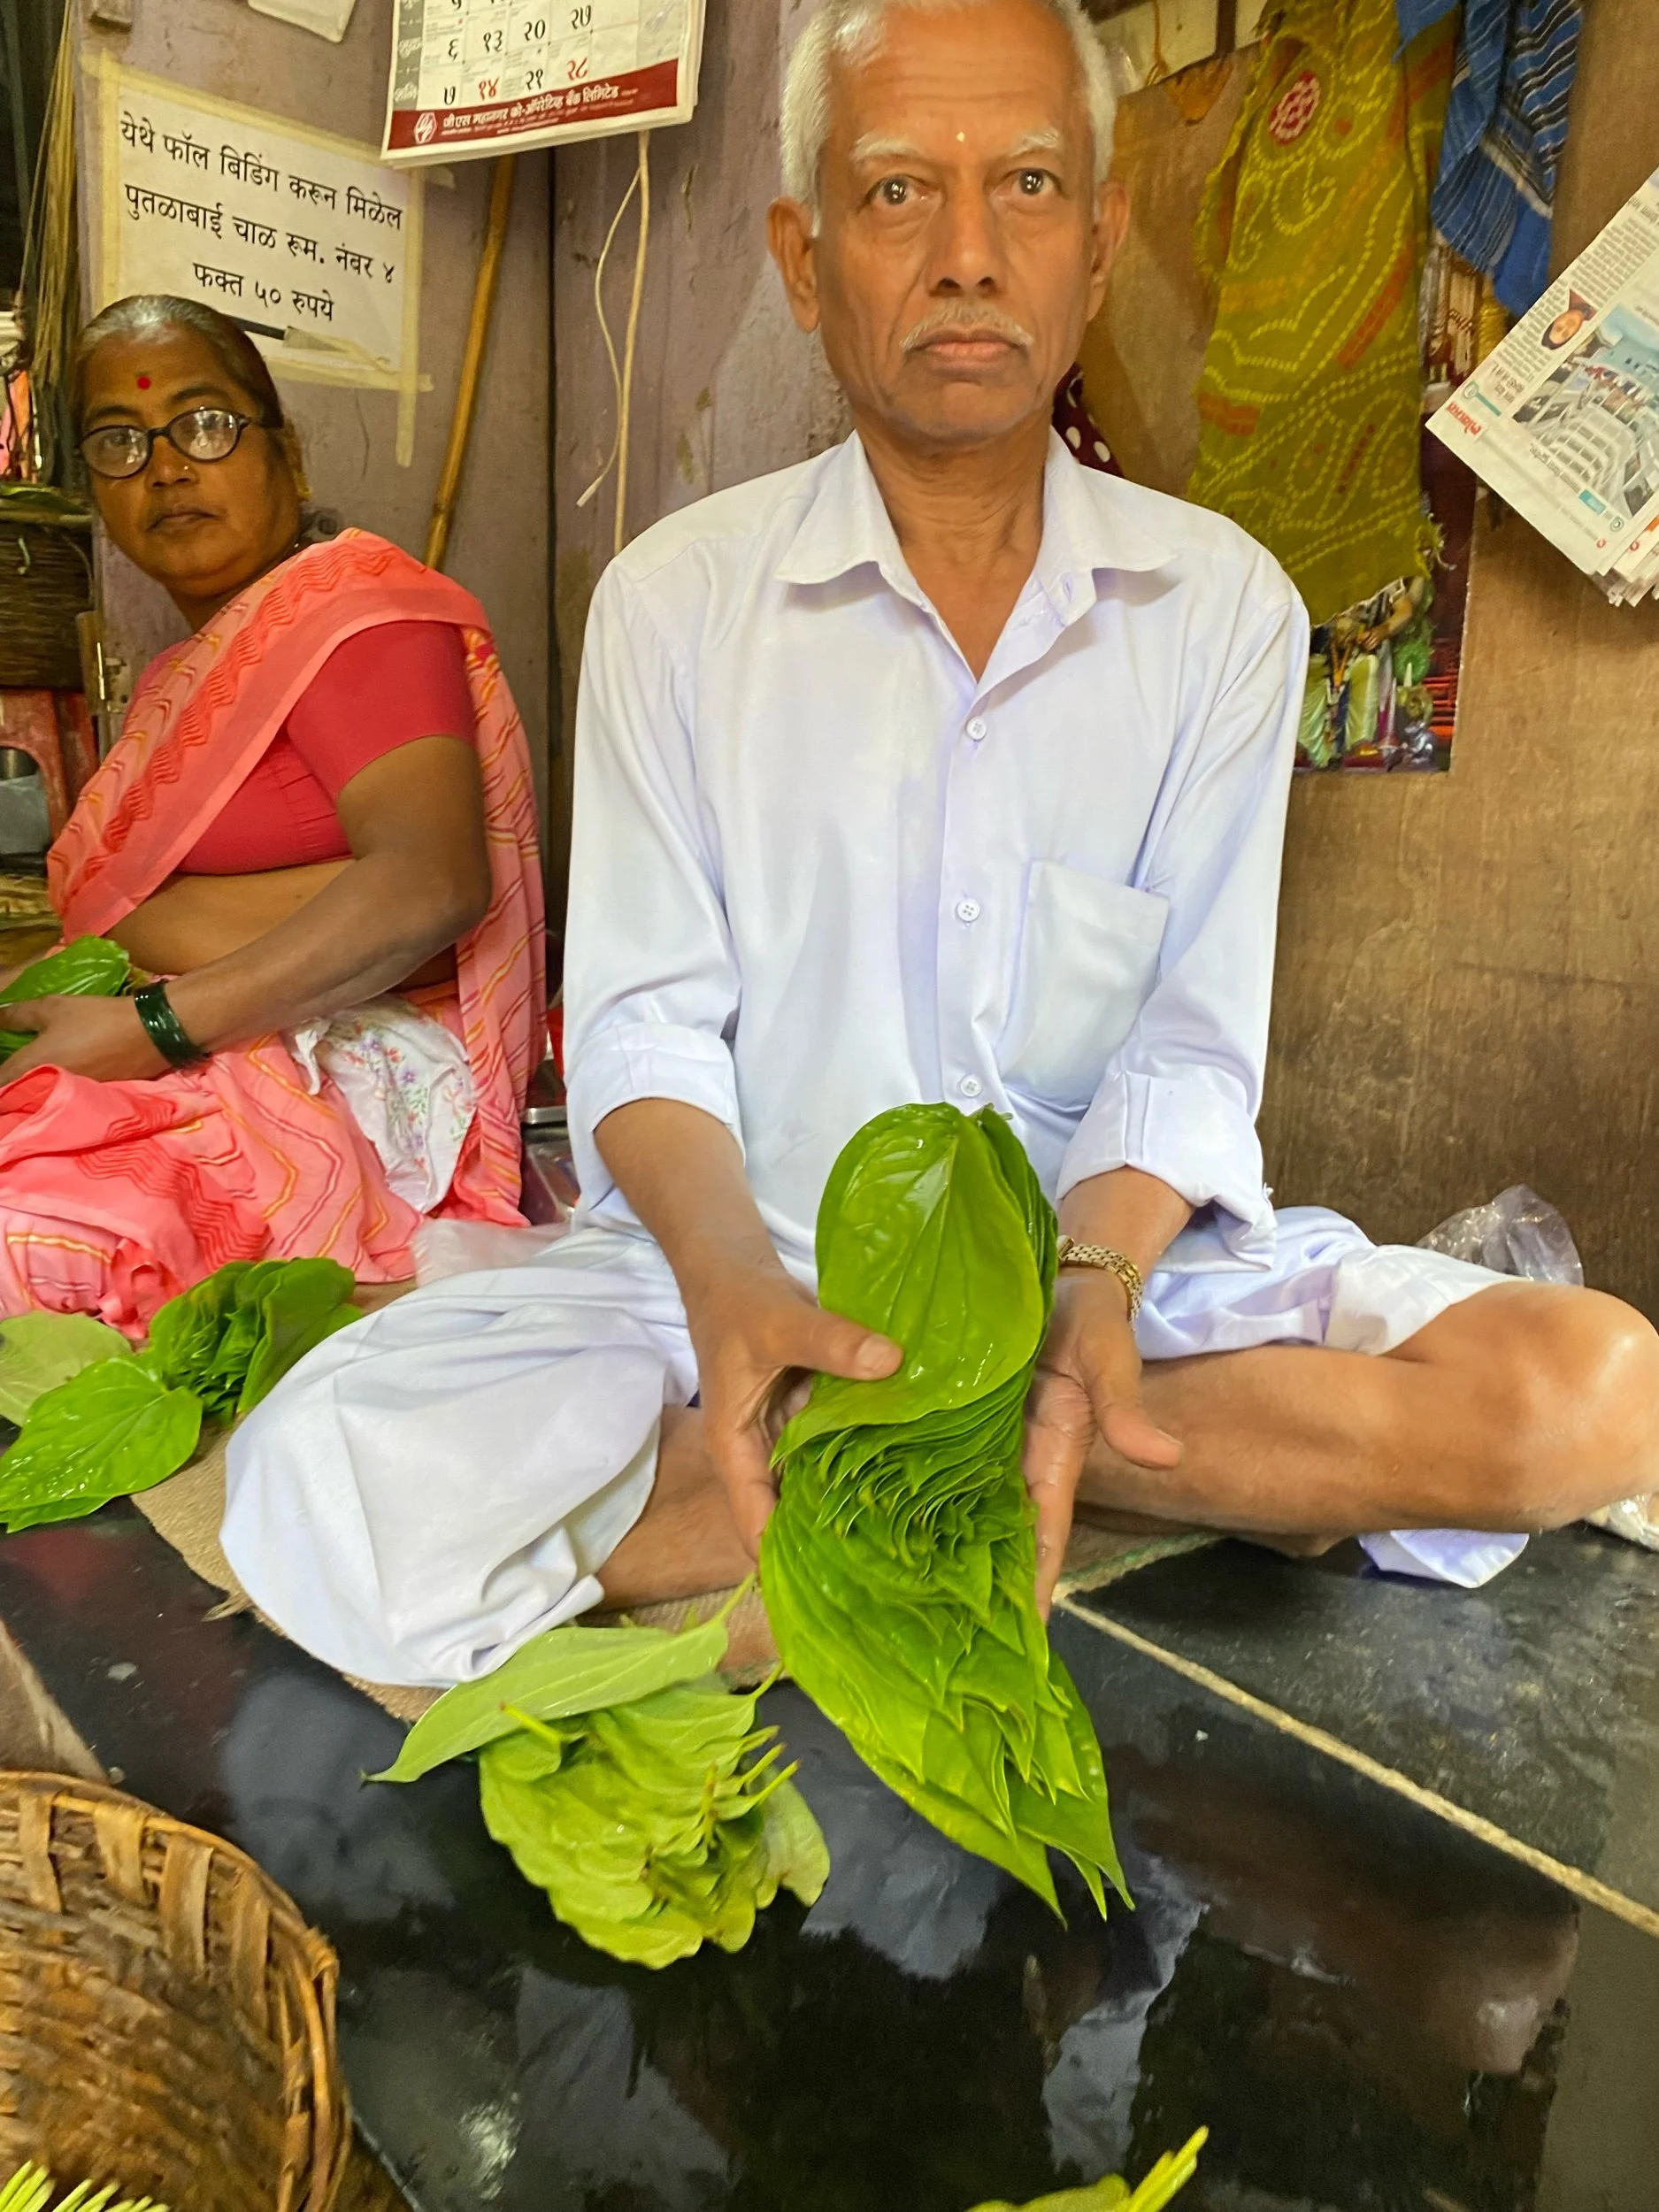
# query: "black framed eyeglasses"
201,434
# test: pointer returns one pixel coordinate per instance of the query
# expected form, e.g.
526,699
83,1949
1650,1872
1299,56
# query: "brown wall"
1468,991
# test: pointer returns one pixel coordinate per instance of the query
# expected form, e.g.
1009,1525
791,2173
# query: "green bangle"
163,1028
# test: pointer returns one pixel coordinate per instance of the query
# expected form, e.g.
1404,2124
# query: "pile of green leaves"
631,1784
899,1566
1171,2175
91,967
122,1421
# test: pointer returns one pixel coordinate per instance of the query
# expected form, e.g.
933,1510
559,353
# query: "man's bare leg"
1522,1407
686,1540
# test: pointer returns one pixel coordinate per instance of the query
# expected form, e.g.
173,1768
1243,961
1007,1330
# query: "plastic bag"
442,1248
1518,1233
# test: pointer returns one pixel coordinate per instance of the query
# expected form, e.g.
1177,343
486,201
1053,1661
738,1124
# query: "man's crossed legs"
495,1455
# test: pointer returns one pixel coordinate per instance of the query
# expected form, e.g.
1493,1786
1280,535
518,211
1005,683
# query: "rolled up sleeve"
651,989
1180,1098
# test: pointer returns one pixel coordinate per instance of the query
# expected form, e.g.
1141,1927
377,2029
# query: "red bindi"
143,383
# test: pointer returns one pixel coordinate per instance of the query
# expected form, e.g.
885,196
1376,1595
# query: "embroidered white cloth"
408,1084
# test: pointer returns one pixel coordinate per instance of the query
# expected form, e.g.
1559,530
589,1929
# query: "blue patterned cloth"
1505,126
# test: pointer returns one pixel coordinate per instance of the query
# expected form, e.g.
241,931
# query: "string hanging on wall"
622,371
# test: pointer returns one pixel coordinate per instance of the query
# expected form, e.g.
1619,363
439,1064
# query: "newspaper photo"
1562,420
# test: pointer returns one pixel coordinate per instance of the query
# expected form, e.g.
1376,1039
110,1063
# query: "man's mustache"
978,322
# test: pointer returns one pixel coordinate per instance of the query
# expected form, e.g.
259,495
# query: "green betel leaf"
107,1431
919,1237
232,1338
565,1671
309,1301
797,1857
91,967
40,1350
1157,2188
899,1568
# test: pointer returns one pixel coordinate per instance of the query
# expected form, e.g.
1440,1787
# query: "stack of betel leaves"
100,1421
630,1783
91,967
899,1567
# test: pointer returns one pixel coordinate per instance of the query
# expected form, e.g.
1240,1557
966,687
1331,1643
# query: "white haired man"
936,768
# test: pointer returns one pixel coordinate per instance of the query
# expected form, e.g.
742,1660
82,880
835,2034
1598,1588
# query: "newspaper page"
493,76
1562,419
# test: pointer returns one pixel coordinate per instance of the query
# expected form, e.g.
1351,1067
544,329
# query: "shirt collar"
845,526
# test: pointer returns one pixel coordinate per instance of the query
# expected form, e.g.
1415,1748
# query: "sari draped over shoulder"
115,1196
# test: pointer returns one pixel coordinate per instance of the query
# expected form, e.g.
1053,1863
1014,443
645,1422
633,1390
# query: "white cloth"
407,1083
819,870
435,1485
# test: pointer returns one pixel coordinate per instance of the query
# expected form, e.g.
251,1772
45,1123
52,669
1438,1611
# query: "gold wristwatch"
1069,1253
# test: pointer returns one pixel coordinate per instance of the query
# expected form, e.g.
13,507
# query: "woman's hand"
102,1038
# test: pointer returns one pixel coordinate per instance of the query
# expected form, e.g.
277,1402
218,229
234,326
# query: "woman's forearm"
364,931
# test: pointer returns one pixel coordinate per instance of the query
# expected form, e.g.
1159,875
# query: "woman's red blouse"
383,688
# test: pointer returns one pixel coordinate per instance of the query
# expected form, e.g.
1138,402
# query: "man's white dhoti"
443,1480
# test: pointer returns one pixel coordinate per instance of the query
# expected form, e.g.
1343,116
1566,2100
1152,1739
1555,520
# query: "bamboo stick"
471,361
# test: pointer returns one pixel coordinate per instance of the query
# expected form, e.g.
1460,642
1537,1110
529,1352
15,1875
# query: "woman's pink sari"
115,1196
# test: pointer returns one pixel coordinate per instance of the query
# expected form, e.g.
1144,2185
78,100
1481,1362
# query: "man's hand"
102,1038
759,1338
1087,1383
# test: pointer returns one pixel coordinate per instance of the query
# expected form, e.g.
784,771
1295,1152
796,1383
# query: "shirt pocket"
1087,961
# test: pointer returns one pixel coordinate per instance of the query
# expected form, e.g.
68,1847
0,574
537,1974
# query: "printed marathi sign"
489,76
306,240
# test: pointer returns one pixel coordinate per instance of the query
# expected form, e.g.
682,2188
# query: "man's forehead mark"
879,146
143,383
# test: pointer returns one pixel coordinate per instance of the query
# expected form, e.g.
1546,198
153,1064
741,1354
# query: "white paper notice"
305,239
487,76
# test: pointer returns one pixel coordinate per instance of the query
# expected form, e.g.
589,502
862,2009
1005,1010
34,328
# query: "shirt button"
967,909
976,728
970,1086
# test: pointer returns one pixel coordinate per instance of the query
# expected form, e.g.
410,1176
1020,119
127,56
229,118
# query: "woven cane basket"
166,2017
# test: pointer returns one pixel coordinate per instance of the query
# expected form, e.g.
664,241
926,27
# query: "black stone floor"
1532,1703
1372,2010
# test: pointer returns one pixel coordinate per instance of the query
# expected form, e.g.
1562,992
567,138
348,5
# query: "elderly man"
935,768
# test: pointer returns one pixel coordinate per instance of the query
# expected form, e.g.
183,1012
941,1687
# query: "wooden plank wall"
1468,988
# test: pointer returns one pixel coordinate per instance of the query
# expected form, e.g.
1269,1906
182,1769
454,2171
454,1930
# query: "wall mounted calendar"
491,76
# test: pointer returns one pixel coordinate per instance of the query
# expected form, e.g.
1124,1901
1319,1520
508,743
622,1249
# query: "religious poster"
305,239
491,76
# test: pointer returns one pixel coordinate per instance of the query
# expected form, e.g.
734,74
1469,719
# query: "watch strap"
1069,1253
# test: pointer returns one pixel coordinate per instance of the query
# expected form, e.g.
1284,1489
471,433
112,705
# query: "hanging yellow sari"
1314,228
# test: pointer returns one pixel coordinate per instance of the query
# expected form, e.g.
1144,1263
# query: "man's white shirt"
819,870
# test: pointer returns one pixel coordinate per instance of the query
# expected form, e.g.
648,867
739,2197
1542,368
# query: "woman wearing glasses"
318,830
